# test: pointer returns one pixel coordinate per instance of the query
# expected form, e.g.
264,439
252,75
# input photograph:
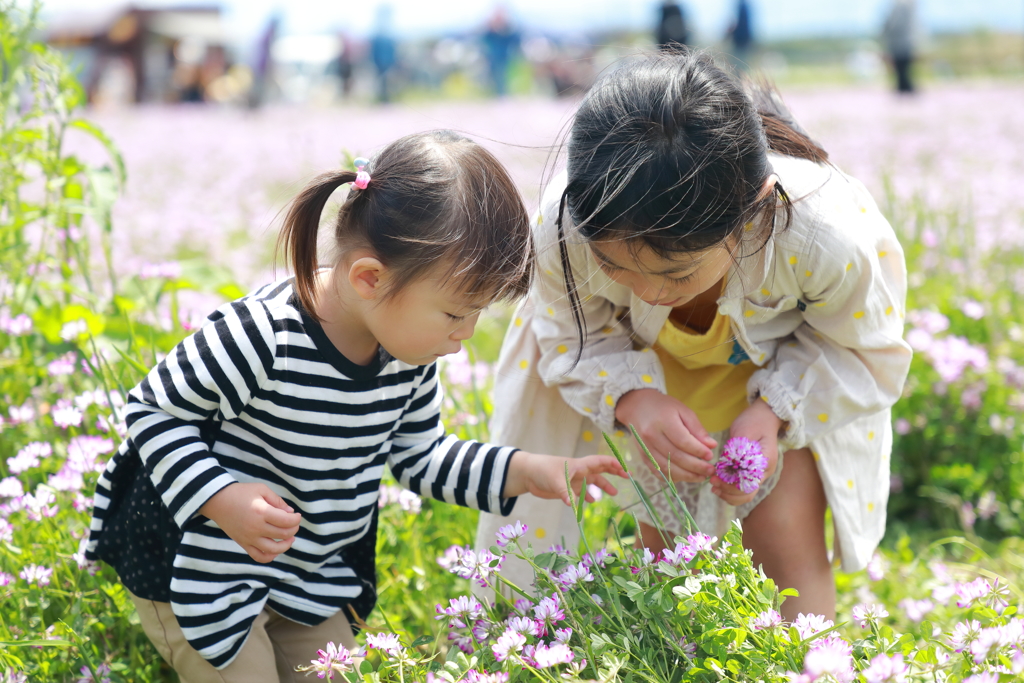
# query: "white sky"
411,18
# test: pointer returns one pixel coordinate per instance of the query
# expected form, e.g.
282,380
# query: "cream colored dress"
819,309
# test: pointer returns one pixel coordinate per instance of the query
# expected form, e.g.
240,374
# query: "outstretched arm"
545,475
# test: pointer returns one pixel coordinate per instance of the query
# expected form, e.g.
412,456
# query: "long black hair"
670,152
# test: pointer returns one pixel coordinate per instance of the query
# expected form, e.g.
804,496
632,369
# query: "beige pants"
275,646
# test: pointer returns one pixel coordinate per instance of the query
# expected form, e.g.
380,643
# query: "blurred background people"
672,31
500,44
741,34
899,36
263,63
383,53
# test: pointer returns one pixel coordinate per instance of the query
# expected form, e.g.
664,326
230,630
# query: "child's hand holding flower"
750,456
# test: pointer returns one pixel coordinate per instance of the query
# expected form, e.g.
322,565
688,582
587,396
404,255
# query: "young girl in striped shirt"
240,512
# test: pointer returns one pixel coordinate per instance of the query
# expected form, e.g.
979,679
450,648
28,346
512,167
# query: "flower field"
121,229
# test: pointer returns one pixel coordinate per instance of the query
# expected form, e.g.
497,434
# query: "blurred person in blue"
263,62
672,31
741,33
383,52
899,36
500,42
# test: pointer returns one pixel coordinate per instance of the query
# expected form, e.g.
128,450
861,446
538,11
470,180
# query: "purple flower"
6,579
37,574
971,591
65,414
65,365
765,620
574,574
700,542
22,413
865,615
333,659
902,426
6,531
17,326
876,567
462,641
886,669
474,676
522,625
461,611
508,643
511,532
385,642
87,676
549,611
29,457
951,356
931,322
742,464
809,624
833,656
552,655
964,634
987,506
973,309
916,609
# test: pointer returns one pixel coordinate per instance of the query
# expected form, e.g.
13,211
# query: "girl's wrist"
779,426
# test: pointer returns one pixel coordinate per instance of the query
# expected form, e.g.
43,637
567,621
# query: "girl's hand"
760,424
544,475
671,431
255,518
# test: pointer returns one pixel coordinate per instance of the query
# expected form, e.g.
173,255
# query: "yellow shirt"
706,371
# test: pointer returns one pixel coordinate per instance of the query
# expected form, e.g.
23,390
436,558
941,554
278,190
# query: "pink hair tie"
362,177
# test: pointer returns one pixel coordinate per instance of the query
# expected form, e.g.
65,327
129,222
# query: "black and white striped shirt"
260,394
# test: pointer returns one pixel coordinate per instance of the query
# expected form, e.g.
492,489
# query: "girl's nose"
465,330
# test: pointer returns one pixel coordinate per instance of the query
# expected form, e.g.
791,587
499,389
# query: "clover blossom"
575,574
511,532
832,656
65,414
463,642
886,669
971,591
476,566
87,676
554,654
809,624
876,567
866,615
37,574
562,635
460,611
334,659
678,556
508,643
916,609
964,634
10,487
484,630
549,611
986,677
385,642
700,542
765,620
29,457
742,464
6,579
601,558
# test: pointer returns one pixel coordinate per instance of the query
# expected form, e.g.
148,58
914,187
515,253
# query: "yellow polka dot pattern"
647,379
562,348
871,507
523,364
888,311
858,315
519,322
792,260
849,483
765,292
609,400
602,373
588,436
808,273
823,417
540,532
748,313
848,266
551,311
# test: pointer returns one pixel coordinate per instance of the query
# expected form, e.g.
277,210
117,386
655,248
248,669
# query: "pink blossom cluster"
985,643
742,464
470,564
333,659
15,326
396,495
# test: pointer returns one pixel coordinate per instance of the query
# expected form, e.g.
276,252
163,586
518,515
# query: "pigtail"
298,238
785,136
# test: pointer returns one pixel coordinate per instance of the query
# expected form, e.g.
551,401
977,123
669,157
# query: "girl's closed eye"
681,279
456,318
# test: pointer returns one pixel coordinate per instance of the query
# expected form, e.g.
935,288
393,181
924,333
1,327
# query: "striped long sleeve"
260,394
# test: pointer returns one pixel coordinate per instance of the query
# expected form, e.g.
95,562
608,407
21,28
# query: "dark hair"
435,198
670,152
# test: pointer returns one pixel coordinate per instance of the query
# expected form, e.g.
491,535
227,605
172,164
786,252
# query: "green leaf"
36,643
422,640
108,144
131,361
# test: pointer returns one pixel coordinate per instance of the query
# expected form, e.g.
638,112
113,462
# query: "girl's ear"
368,278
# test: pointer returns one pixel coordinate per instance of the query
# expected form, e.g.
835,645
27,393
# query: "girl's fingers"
274,499
695,428
682,440
272,547
281,519
605,485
